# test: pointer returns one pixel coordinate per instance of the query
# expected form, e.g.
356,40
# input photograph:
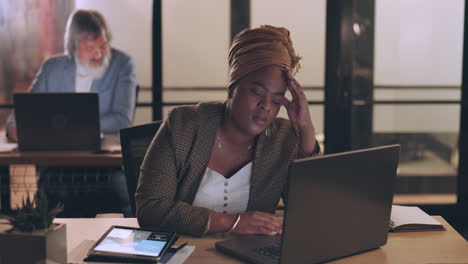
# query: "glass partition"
417,79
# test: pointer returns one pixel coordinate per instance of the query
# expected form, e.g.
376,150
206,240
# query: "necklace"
219,143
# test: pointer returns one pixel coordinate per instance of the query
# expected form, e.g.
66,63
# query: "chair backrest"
137,92
135,142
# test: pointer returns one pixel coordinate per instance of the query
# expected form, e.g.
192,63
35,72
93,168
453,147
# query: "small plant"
34,214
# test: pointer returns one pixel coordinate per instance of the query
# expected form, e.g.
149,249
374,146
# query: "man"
89,65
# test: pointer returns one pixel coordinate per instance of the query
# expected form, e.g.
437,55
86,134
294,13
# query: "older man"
89,65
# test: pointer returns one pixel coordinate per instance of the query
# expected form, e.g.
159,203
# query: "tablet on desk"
130,243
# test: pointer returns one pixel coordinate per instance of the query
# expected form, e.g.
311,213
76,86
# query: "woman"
222,167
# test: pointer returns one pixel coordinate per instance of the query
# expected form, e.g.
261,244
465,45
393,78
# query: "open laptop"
338,205
57,121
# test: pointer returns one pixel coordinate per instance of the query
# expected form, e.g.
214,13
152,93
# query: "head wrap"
255,48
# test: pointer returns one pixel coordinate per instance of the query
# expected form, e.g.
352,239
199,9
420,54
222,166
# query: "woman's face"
256,99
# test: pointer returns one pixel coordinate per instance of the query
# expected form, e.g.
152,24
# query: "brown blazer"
178,157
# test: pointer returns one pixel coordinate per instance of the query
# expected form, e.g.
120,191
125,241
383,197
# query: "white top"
84,78
83,83
222,195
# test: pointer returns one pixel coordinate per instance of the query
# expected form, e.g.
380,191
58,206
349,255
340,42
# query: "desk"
58,158
66,158
411,247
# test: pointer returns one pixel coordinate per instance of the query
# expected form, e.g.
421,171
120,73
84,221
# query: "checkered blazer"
178,157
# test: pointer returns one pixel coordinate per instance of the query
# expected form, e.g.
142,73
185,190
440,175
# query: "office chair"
137,92
5,189
135,141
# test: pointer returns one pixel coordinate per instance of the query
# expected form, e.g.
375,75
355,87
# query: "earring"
268,132
227,113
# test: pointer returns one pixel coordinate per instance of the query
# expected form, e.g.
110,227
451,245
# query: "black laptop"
338,205
57,121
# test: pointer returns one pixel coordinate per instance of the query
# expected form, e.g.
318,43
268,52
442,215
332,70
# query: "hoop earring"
268,132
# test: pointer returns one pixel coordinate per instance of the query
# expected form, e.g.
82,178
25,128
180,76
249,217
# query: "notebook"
338,205
412,218
57,121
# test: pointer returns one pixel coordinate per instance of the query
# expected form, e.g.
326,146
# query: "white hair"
84,24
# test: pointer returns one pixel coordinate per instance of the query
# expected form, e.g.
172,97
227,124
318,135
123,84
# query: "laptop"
338,205
57,121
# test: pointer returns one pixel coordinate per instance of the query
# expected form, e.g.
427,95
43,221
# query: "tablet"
133,244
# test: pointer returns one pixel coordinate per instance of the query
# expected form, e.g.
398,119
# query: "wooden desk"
58,158
66,158
412,247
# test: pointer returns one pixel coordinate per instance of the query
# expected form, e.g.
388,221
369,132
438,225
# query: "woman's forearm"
307,141
220,222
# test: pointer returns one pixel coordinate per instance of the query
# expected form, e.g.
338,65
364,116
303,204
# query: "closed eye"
277,100
258,92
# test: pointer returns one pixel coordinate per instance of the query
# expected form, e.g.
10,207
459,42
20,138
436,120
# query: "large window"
417,79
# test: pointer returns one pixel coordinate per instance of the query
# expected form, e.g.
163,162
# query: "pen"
181,246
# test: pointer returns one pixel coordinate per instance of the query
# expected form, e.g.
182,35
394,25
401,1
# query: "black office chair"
137,92
5,189
135,141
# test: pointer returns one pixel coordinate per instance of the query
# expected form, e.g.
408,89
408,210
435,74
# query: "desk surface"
411,247
66,158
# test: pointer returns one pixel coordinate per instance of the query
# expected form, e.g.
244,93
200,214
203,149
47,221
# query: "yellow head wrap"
255,48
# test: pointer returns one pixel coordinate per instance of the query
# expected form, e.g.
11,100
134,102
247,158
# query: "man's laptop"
57,121
338,205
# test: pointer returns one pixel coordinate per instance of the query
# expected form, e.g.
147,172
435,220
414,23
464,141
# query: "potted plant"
32,237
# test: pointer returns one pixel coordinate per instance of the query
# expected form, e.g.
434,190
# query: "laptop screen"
57,121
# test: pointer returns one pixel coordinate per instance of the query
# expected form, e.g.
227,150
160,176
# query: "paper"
8,147
181,255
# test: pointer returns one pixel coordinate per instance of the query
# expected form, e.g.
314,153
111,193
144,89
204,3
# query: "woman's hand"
12,134
298,107
298,113
256,222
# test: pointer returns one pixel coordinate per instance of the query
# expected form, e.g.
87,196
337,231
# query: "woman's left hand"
298,107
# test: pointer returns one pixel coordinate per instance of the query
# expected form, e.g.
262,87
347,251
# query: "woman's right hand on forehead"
298,107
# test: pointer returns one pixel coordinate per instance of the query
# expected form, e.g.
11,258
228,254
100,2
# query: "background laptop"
57,121
338,205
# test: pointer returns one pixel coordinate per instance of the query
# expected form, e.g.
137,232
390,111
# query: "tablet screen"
134,241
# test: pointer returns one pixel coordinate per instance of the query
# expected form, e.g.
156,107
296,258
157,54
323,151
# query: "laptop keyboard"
273,251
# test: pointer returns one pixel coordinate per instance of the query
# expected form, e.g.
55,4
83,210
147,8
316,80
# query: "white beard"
84,70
